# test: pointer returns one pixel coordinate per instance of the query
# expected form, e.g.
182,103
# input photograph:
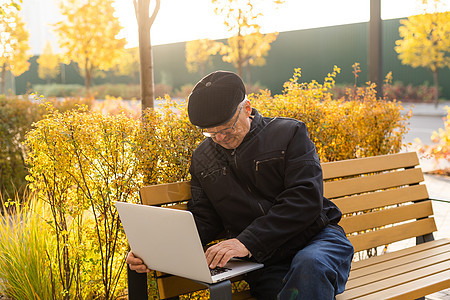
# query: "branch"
136,9
155,12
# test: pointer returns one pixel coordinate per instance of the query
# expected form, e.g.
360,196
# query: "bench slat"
381,198
347,187
380,285
425,247
387,216
399,261
375,275
369,164
389,235
165,193
415,289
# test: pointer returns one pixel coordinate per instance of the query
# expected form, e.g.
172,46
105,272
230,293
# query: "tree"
426,43
14,48
48,62
88,35
129,64
255,47
198,54
142,11
7,4
241,18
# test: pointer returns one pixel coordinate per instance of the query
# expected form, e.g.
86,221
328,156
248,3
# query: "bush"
16,116
397,91
113,106
102,91
184,91
360,126
81,162
254,88
409,93
59,90
440,150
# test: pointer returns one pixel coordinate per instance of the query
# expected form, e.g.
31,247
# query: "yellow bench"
382,201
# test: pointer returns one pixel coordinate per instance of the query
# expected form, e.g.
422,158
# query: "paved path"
426,119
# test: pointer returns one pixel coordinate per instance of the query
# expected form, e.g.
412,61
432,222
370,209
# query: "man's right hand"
136,263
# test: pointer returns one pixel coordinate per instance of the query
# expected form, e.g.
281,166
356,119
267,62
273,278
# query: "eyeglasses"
223,131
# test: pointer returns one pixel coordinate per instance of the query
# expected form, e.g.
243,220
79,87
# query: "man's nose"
219,137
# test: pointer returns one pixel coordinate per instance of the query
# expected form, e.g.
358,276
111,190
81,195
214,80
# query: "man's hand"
136,263
221,253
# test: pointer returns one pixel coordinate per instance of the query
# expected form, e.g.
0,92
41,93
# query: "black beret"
215,98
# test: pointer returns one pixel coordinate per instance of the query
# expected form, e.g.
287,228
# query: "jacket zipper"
265,160
246,184
233,154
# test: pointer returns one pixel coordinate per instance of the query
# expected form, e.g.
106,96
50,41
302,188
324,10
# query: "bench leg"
424,238
220,290
137,285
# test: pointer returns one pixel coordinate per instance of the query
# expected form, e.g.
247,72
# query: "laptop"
167,241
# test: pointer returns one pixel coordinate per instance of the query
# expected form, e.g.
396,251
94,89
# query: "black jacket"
268,193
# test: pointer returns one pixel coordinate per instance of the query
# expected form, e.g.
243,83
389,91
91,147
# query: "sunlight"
180,20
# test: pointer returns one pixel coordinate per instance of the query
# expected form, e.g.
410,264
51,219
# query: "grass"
25,271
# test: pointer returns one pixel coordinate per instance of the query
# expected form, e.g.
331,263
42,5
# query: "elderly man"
259,181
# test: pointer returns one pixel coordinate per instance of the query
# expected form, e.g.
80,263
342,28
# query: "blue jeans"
318,271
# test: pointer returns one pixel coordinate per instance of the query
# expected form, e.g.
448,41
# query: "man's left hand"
221,253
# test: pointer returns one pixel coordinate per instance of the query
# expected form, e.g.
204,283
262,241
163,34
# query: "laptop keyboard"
218,270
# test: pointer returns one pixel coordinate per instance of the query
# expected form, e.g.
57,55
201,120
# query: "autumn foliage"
357,125
14,48
81,161
440,149
425,43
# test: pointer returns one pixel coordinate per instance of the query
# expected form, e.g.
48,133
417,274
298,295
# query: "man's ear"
248,108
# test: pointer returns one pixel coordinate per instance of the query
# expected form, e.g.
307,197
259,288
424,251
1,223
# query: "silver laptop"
167,240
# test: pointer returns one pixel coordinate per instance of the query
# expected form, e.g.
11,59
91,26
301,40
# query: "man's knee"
309,265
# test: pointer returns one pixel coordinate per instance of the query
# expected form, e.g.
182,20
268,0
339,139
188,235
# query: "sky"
185,20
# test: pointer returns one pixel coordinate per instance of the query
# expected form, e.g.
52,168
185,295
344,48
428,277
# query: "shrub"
396,91
409,93
16,116
440,150
124,91
161,90
254,88
113,106
59,90
81,162
184,91
102,91
341,129
166,142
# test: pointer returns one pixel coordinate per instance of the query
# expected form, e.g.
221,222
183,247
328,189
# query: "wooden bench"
382,201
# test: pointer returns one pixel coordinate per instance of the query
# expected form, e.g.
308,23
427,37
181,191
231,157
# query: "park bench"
383,201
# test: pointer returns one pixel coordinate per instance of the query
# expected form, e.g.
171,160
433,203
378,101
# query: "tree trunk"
248,75
436,87
3,78
239,45
145,50
87,77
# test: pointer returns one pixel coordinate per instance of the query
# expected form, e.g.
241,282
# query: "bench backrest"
381,199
